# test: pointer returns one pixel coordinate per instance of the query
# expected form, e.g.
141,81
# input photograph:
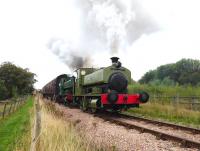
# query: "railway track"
185,136
131,122
161,123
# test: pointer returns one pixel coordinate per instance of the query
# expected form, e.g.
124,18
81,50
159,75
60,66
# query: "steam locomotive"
94,89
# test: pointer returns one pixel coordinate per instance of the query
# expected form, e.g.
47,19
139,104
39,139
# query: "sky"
45,35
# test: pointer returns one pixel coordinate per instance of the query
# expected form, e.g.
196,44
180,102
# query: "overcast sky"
38,34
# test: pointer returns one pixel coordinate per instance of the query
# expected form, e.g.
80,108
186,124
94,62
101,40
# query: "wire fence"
188,102
10,106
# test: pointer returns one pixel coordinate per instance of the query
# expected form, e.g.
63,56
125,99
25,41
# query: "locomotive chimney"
114,59
115,62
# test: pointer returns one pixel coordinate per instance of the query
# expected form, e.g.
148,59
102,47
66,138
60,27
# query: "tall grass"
165,90
58,134
167,108
167,112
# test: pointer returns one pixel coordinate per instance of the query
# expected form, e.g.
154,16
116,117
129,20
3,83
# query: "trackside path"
37,124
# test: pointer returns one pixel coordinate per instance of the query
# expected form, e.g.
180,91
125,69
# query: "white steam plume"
108,25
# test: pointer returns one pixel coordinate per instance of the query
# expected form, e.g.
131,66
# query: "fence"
189,102
8,107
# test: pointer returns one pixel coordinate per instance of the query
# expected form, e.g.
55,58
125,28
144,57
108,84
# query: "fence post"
10,108
162,99
174,101
14,106
193,104
177,100
4,110
153,98
17,104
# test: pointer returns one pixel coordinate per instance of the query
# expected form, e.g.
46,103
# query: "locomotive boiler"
103,88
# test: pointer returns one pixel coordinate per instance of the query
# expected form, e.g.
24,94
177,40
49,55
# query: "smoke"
105,25
116,24
72,57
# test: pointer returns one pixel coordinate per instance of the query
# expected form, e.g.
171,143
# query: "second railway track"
185,136
161,123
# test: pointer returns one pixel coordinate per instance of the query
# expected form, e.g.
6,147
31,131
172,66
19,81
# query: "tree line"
15,80
183,72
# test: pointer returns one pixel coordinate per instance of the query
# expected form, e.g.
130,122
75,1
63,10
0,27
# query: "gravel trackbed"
114,137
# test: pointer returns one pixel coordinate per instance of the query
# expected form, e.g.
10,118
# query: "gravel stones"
113,137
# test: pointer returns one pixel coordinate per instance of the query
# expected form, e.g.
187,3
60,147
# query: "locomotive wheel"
144,97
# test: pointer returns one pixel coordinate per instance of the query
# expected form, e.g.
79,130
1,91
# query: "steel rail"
160,135
161,123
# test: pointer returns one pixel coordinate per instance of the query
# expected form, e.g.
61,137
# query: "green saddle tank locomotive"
104,88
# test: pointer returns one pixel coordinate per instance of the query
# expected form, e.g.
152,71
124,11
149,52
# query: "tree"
185,71
3,90
17,78
149,76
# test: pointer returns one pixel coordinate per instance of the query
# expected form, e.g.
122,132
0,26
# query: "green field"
15,126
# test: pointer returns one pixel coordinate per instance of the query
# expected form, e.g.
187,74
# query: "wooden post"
174,101
20,101
4,110
10,108
17,105
37,126
193,105
14,106
154,97
177,100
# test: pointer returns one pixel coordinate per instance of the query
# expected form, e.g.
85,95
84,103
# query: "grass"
13,127
162,109
175,114
58,134
165,90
